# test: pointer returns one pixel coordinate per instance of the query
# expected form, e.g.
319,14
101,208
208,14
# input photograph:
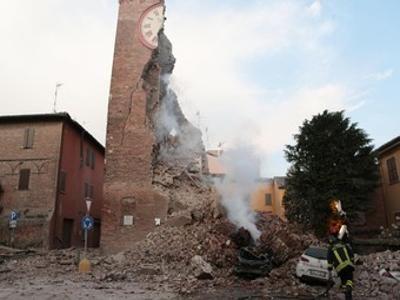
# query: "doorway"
68,226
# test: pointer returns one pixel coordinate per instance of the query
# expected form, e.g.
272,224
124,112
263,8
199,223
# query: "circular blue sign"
13,215
87,223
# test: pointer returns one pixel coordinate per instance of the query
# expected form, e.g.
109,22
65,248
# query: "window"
268,199
392,170
89,190
90,158
23,183
28,138
88,155
63,181
318,253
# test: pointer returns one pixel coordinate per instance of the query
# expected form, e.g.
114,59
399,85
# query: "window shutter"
28,138
268,199
25,142
31,135
24,175
91,192
88,156
392,170
93,159
63,181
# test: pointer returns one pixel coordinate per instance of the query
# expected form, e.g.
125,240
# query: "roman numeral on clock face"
150,24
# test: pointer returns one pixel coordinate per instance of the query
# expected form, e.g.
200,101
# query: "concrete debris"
251,265
201,269
391,232
242,238
7,252
175,258
119,258
374,278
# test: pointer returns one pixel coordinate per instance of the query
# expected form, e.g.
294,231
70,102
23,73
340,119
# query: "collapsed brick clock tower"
131,205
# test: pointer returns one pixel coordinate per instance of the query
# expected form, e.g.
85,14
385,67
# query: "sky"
247,71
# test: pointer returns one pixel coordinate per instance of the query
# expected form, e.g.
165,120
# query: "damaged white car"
313,264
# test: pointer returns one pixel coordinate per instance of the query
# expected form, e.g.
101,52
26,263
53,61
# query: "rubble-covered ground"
192,255
163,267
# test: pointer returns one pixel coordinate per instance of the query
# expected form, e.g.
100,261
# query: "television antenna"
58,85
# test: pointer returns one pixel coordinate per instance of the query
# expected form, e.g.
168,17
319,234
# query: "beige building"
268,194
389,165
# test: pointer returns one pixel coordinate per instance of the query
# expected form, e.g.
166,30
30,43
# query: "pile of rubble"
199,257
284,240
379,275
183,257
390,232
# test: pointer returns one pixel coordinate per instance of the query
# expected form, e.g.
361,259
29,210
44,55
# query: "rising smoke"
177,137
241,165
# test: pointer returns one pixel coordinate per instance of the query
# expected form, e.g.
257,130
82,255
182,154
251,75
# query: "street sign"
12,224
87,223
13,215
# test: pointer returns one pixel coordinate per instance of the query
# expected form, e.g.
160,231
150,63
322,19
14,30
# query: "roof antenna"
58,85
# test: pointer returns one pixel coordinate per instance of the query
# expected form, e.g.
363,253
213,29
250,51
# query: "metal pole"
12,237
86,243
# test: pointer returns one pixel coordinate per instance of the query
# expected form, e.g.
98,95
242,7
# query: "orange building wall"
258,198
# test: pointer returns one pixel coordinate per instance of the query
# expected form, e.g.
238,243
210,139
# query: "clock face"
150,24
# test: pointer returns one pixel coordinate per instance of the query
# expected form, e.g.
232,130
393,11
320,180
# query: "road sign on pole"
87,223
13,215
12,224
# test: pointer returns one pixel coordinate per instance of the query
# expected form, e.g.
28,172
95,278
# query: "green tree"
331,158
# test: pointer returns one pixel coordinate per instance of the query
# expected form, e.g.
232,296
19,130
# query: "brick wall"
128,180
37,203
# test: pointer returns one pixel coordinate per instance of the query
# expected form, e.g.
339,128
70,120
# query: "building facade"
49,164
268,196
268,193
389,190
130,203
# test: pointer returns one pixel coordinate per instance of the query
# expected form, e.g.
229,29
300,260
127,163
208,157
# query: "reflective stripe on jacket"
340,256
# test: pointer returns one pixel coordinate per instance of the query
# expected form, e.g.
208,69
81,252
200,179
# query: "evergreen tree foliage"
331,158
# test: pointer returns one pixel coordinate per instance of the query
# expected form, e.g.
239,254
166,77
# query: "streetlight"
88,201
87,224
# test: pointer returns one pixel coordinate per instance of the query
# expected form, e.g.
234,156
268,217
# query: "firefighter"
340,257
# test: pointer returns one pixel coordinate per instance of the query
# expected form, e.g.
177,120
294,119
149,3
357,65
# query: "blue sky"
254,69
330,55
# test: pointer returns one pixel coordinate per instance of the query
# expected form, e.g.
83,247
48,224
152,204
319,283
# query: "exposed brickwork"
57,144
36,204
130,138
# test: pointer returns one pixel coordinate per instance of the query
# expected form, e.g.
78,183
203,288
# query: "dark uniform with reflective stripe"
341,257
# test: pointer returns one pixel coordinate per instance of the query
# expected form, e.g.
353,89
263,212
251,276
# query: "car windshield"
319,253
